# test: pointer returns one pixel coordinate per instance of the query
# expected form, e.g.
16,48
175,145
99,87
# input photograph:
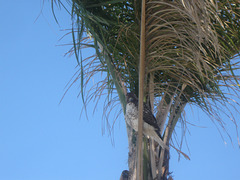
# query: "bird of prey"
150,126
124,175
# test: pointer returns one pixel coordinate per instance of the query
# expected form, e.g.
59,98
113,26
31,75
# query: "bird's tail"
159,140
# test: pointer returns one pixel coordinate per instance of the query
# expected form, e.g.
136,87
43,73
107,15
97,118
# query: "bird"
150,126
124,175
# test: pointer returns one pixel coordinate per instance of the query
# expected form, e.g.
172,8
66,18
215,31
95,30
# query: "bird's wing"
149,118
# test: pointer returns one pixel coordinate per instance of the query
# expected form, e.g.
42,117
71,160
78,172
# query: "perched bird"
150,126
124,175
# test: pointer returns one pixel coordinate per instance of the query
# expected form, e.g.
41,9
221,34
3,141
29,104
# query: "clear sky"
41,139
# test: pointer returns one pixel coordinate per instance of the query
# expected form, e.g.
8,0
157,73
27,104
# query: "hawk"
124,175
150,126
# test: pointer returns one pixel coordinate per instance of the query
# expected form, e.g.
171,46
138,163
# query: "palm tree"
189,56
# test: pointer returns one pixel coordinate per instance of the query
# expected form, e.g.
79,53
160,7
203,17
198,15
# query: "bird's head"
131,97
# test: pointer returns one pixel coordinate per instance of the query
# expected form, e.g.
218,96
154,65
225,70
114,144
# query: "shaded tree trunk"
148,175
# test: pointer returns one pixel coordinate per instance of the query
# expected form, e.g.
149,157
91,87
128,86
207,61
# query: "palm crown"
190,50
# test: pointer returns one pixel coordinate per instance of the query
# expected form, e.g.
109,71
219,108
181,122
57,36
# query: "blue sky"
41,139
